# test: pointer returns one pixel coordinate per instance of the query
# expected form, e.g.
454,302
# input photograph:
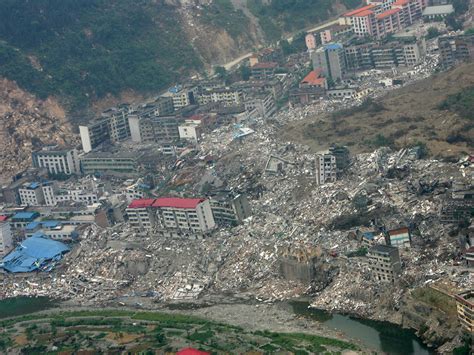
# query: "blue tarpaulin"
35,253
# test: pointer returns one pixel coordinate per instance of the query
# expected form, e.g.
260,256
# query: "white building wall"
206,219
6,239
85,138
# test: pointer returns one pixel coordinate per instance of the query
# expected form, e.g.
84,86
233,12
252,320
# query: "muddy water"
384,337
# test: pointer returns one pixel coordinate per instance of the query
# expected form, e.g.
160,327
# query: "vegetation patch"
106,330
461,103
84,50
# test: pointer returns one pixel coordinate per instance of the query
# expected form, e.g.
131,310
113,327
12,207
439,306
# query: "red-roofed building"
314,79
188,216
3,218
388,22
399,237
171,215
173,202
140,215
192,351
142,203
411,11
359,10
362,20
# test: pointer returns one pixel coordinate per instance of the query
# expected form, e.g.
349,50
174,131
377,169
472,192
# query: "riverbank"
280,317
132,330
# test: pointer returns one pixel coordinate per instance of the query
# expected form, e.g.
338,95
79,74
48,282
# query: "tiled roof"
177,202
313,78
387,13
357,11
142,203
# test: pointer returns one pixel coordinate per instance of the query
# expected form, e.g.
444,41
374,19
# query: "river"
383,337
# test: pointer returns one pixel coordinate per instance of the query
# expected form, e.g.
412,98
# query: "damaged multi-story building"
191,217
384,261
229,208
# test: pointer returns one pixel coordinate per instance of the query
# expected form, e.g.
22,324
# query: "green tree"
452,22
433,32
245,72
220,72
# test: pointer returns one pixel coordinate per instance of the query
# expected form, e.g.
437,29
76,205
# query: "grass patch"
436,299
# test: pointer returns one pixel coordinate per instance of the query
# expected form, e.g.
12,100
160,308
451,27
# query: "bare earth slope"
404,116
26,121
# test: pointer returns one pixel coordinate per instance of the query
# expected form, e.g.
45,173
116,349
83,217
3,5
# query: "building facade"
109,163
465,308
330,58
230,209
57,161
6,236
384,261
456,49
173,216
325,168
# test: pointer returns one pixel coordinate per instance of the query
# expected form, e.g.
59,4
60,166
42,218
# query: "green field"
123,330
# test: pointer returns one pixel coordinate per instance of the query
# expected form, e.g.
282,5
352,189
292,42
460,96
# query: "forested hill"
82,50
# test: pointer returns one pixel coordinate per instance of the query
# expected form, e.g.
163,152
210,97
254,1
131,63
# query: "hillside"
83,51
435,111
26,123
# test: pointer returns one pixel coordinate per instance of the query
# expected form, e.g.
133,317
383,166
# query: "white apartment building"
57,161
325,168
6,237
190,131
227,96
31,194
177,216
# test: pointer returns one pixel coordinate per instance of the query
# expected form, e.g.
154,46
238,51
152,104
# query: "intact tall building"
6,237
330,58
57,160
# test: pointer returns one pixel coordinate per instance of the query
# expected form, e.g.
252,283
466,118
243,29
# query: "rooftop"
402,230
333,46
142,203
36,252
357,12
3,218
438,10
177,202
400,2
314,77
380,248
25,215
387,13
265,65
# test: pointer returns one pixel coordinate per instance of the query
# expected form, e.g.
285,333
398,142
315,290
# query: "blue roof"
368,235
175,89
25,215
34,185
333,46
36,252
44,224
51,224
32,225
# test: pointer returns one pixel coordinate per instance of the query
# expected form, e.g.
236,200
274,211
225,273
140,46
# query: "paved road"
236,61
